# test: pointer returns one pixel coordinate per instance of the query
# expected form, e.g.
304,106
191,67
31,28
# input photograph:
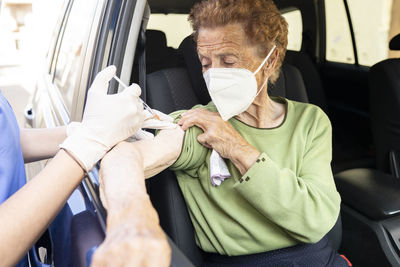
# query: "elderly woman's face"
226,47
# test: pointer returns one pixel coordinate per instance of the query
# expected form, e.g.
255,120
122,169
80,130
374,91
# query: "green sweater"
287,197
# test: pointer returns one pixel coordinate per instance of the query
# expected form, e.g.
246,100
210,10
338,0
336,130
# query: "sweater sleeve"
306,205
193,154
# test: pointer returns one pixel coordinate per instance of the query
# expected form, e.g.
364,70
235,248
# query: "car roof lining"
171,6
184,6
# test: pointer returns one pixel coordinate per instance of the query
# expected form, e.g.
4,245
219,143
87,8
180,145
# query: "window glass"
371,23
339,47
76,34
295,36
175,26
57,17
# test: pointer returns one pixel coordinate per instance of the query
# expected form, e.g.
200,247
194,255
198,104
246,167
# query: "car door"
92,35
354,37
59,90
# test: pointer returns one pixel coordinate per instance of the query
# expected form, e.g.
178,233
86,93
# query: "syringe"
144,103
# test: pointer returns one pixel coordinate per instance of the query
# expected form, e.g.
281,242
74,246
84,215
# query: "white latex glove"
107,120
165,121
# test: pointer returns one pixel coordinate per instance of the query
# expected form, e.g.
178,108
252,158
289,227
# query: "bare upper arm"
162,151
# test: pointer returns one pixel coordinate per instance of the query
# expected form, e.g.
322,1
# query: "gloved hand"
107,120
163,122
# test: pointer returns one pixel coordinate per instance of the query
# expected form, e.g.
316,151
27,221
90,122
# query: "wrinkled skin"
126,247
220,136
134,236
228,47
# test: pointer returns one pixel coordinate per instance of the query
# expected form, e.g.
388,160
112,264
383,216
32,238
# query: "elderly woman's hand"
220,136
124,246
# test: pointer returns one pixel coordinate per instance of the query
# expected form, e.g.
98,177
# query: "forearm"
38,144
123,185
161,152
243,156
134,236
35,205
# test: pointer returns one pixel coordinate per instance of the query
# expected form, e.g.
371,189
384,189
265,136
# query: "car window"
70,53
295,36
339,47
60,9
175,26
371,21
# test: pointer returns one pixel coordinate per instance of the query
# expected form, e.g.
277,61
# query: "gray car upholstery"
384,90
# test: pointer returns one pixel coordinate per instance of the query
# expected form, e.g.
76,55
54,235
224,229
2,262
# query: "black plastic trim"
120,39
371,192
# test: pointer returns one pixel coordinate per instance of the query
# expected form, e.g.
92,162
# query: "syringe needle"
144,103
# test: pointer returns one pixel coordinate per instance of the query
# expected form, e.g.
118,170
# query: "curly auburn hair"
263,23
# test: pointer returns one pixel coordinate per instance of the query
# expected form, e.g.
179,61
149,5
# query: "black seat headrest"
156,37
158,54
395,43
187,49
156,46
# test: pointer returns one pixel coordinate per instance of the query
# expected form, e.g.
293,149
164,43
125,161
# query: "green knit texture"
287,197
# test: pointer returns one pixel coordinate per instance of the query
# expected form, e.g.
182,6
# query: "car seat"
384,90
312,80
158,54
181,88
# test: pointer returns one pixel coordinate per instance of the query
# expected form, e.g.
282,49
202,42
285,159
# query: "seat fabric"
384,86
158,55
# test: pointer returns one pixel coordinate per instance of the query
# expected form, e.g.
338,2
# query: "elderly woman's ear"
271,63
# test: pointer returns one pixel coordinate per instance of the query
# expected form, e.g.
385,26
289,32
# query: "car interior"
362,103
365,129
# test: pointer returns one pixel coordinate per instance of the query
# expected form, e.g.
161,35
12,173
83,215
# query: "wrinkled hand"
107,120
126,247
218,134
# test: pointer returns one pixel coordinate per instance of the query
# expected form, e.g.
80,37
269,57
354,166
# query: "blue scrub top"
12,170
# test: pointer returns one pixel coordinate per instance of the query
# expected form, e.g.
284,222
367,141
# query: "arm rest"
371,192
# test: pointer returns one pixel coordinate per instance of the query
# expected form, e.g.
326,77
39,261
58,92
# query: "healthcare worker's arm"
108,119
38,144
27,213
134,236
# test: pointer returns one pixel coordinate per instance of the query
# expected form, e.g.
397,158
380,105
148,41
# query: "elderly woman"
281,199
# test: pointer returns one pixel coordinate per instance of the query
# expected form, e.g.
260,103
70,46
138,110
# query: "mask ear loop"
265,59
259,68
262,86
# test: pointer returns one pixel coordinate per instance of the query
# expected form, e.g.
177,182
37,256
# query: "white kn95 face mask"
232,90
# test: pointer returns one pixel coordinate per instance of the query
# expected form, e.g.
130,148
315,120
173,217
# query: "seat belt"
142,62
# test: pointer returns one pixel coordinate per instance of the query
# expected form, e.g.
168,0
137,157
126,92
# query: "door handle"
29,115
